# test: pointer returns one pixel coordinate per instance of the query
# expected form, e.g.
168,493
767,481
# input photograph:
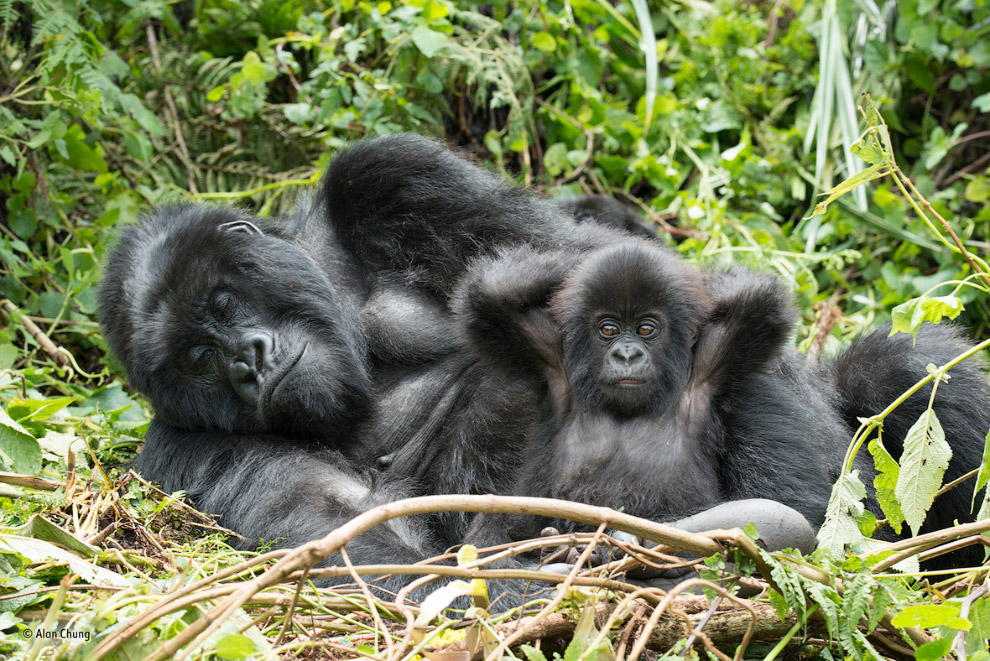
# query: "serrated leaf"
844,505
885,483
923,462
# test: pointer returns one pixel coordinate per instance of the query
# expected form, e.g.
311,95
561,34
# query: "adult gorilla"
284,358
269,353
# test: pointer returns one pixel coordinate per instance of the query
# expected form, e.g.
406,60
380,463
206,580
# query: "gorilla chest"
647,467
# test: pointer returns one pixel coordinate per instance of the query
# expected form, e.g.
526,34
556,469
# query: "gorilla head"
225,324
628,315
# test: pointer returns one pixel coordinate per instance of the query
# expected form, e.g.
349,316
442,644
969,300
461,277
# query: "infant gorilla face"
226,326
629,314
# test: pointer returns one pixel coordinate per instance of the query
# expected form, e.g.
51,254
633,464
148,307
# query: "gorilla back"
225,324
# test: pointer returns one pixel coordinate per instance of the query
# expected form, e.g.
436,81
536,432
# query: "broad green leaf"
8,355
19,451
37,409
934,650
235,646
254,70
428,41
41,528
533,654
544,41
927,616
923,462
885,483
39,551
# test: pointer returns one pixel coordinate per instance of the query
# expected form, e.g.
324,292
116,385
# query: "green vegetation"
727,144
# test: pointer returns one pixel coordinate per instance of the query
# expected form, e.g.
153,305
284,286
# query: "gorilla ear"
244,226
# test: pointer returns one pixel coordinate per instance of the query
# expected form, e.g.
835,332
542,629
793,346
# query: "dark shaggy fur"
876,369
268,347
663,390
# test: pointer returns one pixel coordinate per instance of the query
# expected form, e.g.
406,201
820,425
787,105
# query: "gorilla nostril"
256,349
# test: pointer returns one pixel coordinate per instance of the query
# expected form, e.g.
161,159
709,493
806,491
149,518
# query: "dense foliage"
726,140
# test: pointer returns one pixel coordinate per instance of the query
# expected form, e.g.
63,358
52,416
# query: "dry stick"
315,551
47,345
658,612
39,483
915,545
959,644
504,644
371,601
290,613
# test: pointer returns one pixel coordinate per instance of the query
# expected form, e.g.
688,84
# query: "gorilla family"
307,369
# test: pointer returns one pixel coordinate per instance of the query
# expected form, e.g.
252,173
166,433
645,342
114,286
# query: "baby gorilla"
664,390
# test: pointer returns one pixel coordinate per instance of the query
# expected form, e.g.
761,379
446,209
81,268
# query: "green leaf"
37,409
908,316
544,41
8,155
555,158
8,355
216,93
982,102
138,146
147,119
929,616
844,505
19,451
299,113
428,41
253,68
885,483
934,650
235,646
923,462
533,654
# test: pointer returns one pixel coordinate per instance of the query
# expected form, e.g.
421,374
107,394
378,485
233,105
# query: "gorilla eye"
646,329
608,329
223,305
198,358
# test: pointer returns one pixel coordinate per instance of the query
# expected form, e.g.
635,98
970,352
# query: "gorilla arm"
272,490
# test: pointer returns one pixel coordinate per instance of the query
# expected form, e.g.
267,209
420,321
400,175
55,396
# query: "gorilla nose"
628,353
255,351
252,359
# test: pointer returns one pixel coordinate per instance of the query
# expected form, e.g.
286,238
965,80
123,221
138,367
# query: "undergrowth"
108,108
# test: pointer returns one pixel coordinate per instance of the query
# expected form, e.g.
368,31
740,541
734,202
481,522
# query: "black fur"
609,212
663,390
876,369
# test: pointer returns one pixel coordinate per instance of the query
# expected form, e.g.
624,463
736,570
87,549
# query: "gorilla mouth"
272,383
630,382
